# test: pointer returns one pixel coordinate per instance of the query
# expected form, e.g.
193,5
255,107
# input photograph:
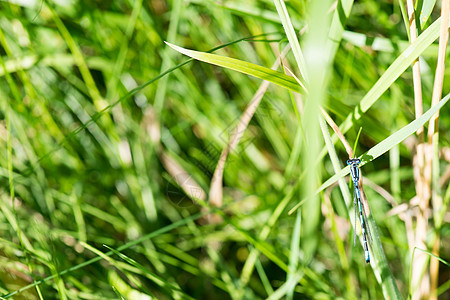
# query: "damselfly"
354,172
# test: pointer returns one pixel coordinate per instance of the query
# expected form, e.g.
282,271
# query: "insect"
354,172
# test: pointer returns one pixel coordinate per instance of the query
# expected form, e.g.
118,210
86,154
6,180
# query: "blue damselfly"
354,172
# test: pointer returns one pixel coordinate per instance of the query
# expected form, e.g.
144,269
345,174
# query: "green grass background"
83,158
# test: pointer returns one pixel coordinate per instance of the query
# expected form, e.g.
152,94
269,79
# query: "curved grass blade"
243,67
383,147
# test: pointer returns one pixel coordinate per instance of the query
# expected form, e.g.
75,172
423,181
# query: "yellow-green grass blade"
243,67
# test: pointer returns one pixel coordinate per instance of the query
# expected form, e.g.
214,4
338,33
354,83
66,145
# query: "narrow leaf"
427,9
243,67
292,37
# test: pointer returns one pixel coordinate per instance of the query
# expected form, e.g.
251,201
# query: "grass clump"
130,172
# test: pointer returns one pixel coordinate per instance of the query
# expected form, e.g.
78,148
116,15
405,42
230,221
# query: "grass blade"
425,12
243,67
292,37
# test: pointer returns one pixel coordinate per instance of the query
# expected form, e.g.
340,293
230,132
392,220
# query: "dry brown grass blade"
433,136
381,191
182,178
419,161
179,175
428,282
421,184
338,132
216,189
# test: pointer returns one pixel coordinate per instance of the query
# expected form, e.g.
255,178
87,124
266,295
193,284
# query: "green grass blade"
167,286
338,23
171,35
292,37
380,265
79,59
356,141
243,67
404,16
295,254
265,231
425,12
121,56
318,66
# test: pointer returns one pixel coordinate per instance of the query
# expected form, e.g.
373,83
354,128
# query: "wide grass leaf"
243,67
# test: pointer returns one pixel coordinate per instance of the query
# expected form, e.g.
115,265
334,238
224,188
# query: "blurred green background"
89,164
